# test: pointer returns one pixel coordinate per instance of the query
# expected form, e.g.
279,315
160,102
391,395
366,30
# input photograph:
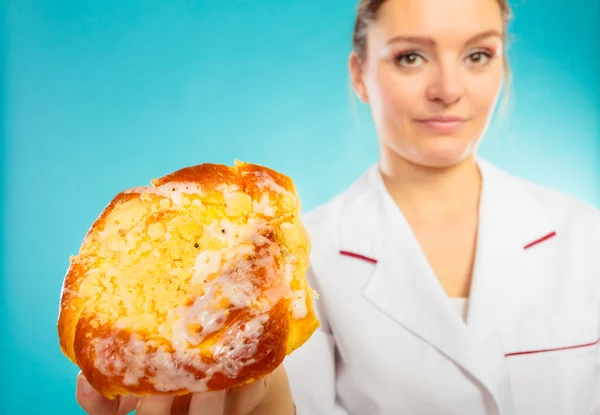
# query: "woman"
447,286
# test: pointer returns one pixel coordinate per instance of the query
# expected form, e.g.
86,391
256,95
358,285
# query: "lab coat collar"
403,286
364,217
506,207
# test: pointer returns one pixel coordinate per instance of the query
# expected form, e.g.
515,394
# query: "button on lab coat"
390,341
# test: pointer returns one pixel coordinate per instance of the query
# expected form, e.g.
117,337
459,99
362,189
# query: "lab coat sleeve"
594,408
311,369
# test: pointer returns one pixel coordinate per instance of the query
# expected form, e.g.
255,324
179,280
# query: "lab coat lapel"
512,224
406,288
400,282
504,286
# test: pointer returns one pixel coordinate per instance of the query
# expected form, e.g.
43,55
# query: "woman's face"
432,76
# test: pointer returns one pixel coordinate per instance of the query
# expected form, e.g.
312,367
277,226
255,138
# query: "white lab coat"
390,341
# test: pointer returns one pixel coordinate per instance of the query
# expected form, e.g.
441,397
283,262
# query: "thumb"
92,401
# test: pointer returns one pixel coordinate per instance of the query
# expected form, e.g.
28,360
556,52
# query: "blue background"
102,95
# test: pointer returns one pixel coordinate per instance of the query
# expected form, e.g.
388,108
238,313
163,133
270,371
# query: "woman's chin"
443,156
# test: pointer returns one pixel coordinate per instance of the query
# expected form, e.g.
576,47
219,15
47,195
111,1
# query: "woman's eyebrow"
430,42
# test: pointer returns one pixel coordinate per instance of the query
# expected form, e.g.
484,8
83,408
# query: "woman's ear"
355,67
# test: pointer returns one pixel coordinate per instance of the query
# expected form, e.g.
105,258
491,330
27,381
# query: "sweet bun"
194,283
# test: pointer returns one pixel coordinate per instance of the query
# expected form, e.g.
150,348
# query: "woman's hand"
269,395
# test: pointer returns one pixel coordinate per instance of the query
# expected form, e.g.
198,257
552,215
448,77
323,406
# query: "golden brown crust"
209,175
78,326
70,307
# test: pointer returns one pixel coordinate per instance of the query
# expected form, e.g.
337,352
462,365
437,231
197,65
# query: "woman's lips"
443,125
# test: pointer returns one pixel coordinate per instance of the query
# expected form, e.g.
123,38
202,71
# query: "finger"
91,401
208,403
154,405
244,399
181,404
127,404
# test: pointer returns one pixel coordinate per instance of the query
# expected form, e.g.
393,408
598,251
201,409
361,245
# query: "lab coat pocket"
552,362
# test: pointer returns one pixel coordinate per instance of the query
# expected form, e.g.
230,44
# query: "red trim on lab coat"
358,256
553,350
542,239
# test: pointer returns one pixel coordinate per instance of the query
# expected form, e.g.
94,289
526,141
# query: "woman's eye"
479,58
409,59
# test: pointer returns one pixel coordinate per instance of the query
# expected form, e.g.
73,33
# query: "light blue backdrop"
103,95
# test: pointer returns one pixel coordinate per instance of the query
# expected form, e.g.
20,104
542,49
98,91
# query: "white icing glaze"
299,309
226,275
228,232
207,263
238,345
167,371
228,190
130,363
172,190
264,179
135,365
231,283
288,269
202,315
263,206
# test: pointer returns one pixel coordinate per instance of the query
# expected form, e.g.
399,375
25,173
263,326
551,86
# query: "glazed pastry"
194,283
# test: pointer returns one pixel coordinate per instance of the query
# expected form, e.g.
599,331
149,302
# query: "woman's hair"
367,13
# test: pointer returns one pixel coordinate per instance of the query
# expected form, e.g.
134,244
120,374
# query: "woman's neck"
426,193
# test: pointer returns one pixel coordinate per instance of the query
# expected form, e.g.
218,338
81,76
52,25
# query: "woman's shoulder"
560,207
327,214
321,221
561,203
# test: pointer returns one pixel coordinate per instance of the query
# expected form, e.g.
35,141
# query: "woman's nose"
446,86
